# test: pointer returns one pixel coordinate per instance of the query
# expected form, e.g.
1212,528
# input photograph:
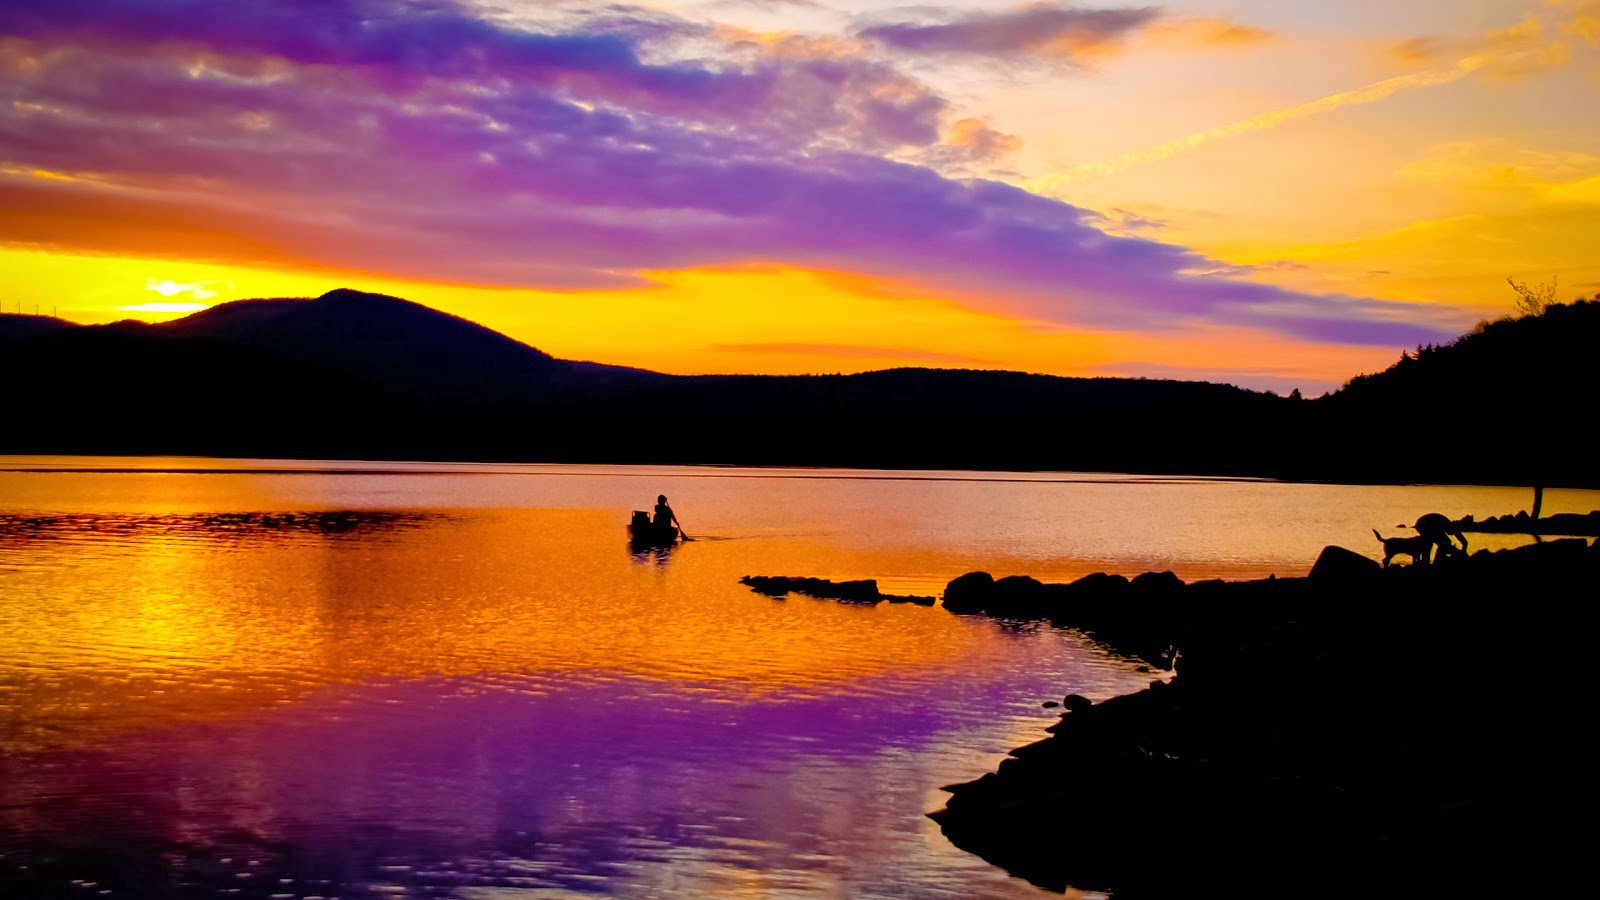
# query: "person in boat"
665,517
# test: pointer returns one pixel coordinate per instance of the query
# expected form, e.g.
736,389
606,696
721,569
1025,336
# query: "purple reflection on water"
589,783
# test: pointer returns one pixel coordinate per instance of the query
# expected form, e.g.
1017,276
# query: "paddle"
682,535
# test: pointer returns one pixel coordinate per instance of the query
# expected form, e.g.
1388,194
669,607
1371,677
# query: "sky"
1277,195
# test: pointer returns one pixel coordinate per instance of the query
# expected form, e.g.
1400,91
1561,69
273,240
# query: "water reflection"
305,684
230,526
652,556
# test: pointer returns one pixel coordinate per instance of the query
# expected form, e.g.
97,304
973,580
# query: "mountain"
351,374
17,327
129,388
404,346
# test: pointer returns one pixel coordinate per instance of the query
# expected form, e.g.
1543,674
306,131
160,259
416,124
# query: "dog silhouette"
1418,547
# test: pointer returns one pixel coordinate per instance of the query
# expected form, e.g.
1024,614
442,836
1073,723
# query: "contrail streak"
1367,94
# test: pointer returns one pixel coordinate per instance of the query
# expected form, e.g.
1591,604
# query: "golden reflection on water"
453,678
190,623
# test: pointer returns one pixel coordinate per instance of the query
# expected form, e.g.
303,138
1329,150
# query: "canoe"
648,534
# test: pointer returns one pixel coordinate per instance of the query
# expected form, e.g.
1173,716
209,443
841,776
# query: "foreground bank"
1358,732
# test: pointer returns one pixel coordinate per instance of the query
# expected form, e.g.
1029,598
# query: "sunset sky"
1269,193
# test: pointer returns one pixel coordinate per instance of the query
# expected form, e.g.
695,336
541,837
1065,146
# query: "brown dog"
1418,548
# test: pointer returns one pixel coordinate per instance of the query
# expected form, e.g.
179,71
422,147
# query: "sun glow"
694,321
164,307
166,287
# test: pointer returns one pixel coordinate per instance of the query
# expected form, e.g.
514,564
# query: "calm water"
287,679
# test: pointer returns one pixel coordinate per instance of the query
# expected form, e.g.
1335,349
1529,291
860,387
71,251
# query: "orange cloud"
1207,32
107,222
978,141
1513,52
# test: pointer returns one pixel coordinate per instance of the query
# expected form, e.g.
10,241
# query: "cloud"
1059,32
163,307
420,140
1508,53
1210,31
1044,29
1529,46
166,287
854,351
1369,94
967,143
1123,222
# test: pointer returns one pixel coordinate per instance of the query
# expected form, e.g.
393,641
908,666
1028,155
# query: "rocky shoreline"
1361,731
1564,524
1350,733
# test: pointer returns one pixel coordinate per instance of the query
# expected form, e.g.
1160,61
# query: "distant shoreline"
381,466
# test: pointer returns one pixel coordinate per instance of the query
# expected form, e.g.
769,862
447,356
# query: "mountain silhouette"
129,387
406,347
17,327
353,374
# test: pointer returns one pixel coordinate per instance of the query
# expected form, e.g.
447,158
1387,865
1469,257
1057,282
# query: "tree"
1533,299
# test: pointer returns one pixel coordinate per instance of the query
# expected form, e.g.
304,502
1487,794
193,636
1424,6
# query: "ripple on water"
333,685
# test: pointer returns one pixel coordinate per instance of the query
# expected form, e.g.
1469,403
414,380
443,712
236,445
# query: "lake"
291,679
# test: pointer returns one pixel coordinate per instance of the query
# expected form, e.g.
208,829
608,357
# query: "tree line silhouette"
354,375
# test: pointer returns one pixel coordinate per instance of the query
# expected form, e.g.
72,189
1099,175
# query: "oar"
683,534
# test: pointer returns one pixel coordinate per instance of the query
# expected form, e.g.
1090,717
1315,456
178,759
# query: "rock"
971,592
1157,583
1019,584
1335,563
771,587
1262,749
1076,702
1099,584
864,591
910,598
1562,552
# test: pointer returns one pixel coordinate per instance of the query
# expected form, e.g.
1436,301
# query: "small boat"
644,533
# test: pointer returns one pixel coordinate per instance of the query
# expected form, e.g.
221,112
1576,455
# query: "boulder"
971,592
1019,585
1337,563
1099,584
1157,583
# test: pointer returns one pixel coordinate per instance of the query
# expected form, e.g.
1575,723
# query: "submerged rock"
864,591
917,599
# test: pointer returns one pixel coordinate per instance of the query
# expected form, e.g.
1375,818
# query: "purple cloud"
1041,29
417,139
